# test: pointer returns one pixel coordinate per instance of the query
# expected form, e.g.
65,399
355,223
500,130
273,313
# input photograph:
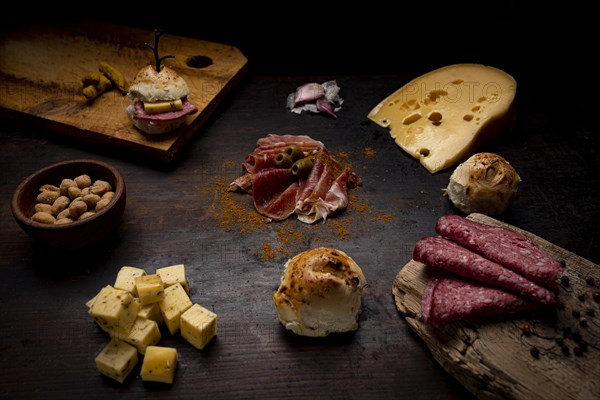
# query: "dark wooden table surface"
179,215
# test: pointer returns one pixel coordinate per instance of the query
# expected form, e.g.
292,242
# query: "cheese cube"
159,364
172,275
89,303
126,278
175,303
150,288
114,308
198,326
441,117
143,333
151,311
116,360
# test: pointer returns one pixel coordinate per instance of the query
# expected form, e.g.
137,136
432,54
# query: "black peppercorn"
596,296
565,350
575,313
577,351
564,280
583,322
526,329
535,352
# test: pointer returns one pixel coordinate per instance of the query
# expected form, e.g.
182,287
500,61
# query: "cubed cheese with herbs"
198,326
126,278
114,308
150,288
143,333
116,360
172,275
89,303
175,303
159,364
151,311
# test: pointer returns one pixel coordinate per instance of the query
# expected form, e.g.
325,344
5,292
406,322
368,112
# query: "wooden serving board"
491,356
40,81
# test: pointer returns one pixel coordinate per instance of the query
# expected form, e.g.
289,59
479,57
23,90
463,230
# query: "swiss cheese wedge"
441,117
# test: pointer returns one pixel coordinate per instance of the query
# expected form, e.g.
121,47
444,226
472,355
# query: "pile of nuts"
74,200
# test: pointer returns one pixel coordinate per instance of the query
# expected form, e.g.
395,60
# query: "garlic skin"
485,183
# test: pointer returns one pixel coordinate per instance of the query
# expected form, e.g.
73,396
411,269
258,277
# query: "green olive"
302,167
295,152
283,160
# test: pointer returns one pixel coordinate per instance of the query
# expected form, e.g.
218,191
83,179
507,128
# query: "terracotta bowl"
76,234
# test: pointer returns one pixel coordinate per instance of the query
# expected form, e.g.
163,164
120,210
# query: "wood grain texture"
491,356
41,68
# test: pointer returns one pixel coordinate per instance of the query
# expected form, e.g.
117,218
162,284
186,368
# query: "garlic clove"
324,106
308,93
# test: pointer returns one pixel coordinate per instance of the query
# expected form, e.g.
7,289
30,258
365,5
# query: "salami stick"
503,246
442,253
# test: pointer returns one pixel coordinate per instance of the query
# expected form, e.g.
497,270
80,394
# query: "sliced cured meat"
324,190
447,299
442,253
271,145
274,192
502,246
140,113
278,194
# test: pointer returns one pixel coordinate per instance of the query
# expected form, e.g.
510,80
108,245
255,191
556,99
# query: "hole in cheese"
435,118
411,119
457,82
424,152
468,117
476,108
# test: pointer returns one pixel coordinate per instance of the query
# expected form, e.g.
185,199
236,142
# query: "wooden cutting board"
491,356
40,81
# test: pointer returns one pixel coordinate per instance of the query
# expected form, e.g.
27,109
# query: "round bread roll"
486,183
320,293
151,86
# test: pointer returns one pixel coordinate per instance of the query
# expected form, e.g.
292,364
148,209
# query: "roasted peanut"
74,192
65,185
49,187
59,204
83,181
62,221
77,208
43,217
108,195
102,204
48,197
85,215
66,213
100,187
43,207
91,200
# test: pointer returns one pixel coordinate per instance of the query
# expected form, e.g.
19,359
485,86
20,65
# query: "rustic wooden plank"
41,67
491,356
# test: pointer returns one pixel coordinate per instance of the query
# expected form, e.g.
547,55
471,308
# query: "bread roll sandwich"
320,293
160,103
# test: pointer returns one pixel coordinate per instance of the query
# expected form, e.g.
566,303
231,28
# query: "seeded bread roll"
486,183
320,293
151,86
